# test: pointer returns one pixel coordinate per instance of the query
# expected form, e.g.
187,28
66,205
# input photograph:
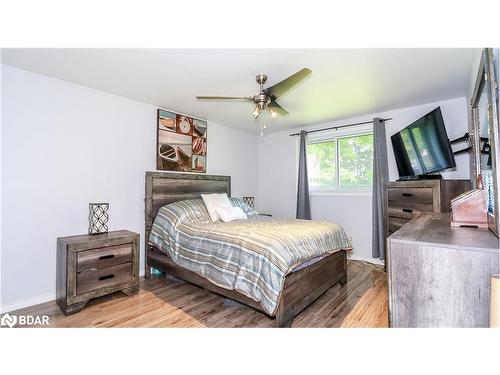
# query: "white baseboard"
27,302
20,304
369,260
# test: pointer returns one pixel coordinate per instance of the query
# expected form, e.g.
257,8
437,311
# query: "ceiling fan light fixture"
256,112
273,114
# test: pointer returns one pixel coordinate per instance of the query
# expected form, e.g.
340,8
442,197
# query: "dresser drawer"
104,257
396,222
420,199
403,213
99,278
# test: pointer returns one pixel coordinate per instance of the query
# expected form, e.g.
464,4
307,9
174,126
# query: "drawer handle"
407,210
107,256
106,277
407,195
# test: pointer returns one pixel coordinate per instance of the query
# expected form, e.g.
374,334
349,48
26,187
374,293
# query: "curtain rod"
340,126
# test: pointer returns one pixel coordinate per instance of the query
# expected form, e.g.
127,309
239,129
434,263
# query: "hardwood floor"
168,302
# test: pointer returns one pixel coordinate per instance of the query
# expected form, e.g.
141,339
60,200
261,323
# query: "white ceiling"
344,82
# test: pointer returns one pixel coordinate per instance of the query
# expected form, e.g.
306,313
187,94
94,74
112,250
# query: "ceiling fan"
265,100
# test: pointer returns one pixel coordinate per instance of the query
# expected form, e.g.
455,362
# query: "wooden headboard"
163,188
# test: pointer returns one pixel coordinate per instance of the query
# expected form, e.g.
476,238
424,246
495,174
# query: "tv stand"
421,177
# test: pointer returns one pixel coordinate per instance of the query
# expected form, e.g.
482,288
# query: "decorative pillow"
227,214
238,202
186,211
215,201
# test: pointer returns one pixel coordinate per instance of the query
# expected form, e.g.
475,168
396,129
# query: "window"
340,162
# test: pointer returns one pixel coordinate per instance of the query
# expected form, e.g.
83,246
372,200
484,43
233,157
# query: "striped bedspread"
250,256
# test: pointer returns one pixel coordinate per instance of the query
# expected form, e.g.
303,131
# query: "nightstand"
91,266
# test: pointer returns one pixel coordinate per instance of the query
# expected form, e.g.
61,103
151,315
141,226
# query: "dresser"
439,276
406,200
91,266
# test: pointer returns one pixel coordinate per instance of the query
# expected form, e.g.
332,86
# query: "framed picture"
181,143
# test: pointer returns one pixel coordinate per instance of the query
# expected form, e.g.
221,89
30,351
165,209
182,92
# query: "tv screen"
423,147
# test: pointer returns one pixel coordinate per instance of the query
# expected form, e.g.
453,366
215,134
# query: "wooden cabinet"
90,266
405,200
439,276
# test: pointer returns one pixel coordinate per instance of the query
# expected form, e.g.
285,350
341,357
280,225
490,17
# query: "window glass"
356,161
341,163
321,164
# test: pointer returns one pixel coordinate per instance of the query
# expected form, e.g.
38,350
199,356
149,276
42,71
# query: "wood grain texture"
104,257
100,278
371,311
160,261
405,200
90,266
162,188
301,288
440,276
435,229
169,302
305,286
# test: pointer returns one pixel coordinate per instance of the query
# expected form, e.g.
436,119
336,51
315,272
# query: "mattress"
251,256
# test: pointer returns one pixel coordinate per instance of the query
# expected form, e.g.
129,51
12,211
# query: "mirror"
485,135
484,125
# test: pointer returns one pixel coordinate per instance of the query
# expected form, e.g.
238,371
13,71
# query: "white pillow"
230,213
214,201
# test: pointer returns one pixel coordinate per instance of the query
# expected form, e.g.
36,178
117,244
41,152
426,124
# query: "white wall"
278,172
65,145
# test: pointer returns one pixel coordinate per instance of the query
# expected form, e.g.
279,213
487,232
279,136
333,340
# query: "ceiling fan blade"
285,85
224,97
275,107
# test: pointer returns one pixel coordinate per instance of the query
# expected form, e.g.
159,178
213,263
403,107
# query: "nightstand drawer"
104,257
99,278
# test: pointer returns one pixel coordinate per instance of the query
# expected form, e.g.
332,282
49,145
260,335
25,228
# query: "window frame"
335,135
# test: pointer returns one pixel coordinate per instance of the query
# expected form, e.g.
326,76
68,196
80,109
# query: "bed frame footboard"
304,287
301,288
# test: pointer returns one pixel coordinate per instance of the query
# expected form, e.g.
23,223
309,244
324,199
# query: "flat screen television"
423,147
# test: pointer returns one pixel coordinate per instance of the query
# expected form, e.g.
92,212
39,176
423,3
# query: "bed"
280,286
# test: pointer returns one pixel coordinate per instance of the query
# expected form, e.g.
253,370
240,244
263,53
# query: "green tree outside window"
345,162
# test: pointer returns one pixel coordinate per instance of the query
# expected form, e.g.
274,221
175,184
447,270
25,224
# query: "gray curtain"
303,206
380,176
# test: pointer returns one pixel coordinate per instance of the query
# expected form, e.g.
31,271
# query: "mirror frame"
486,74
